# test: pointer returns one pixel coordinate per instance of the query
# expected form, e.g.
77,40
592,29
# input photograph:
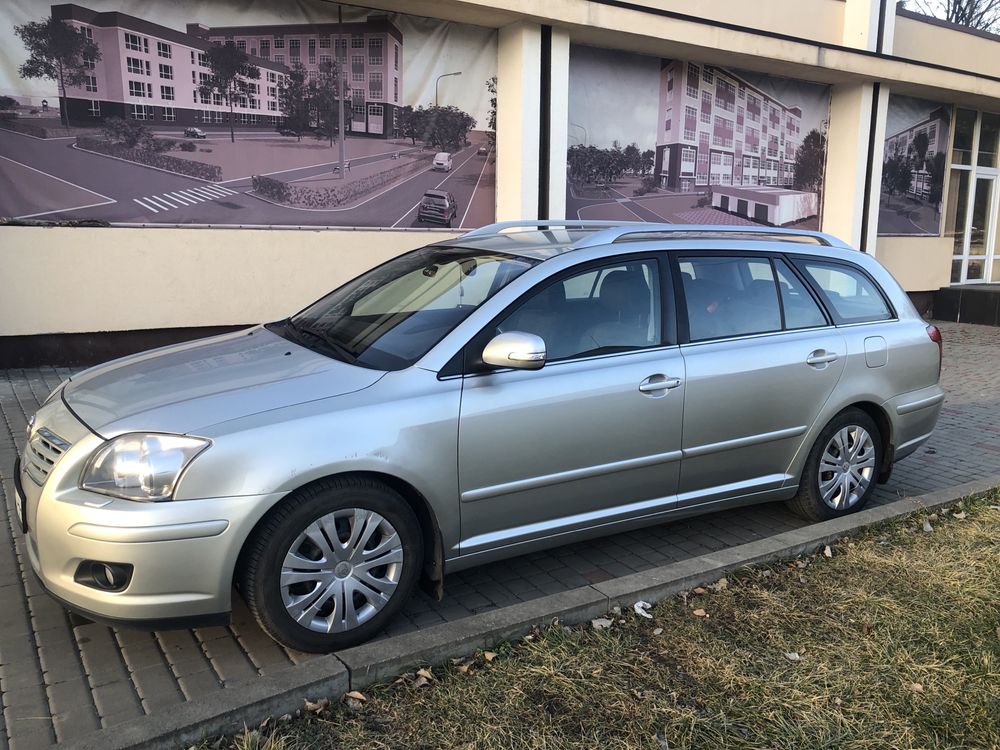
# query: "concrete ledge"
380,660
250,703
226,711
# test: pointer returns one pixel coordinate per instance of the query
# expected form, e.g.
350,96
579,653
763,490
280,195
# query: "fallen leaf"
960,515
489,655
916,687
658,631
601,623
993,507
927,526
425,673
462,668
421,681
793,656
801,563
700,613
721,585
802,579
642,609
636,693
357,695
616,610
698,590
597,672
766,572
827,552
866,628
837,701
318,705
932,517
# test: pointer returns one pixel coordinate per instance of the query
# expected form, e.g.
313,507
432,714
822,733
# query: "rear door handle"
655,383
821,357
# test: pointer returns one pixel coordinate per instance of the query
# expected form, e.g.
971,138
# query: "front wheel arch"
432,576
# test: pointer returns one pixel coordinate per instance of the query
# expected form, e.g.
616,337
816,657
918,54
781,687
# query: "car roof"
436,193
539,240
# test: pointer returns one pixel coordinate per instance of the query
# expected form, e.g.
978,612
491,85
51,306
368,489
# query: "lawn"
889,640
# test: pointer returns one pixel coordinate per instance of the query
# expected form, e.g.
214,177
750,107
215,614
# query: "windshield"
391,316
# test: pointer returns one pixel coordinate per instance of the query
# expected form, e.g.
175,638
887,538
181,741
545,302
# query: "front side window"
729,296
391,316
602,310
851,295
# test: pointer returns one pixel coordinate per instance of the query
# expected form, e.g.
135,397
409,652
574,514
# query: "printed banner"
683,142
139,112
913,166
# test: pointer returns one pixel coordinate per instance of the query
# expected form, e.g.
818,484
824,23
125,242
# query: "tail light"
935,335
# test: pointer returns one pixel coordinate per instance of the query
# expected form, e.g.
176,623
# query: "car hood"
187,387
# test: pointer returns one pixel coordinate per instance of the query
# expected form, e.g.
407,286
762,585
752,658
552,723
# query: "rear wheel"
332,565
841,470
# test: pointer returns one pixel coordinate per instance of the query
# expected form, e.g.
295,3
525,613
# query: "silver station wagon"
522,386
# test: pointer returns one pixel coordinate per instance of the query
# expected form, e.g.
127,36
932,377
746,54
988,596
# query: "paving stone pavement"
62,676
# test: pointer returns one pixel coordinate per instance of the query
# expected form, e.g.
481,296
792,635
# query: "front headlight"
141,466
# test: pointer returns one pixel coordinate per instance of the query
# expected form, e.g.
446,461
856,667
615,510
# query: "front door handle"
655,383
821,357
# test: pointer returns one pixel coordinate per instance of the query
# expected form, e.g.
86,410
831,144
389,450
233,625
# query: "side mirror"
522,351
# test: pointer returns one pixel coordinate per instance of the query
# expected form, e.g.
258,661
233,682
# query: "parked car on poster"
438,206
442,162
194,133
476,399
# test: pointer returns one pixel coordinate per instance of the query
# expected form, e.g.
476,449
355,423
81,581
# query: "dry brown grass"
898,636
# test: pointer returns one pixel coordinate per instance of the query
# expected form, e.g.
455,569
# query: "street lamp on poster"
438,81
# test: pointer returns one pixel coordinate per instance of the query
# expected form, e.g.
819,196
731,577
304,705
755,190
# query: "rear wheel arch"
881,419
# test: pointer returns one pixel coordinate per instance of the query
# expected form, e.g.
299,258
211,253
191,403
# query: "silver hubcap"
341,570
847,467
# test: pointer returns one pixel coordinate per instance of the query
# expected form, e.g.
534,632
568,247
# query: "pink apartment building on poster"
152,72
935,128
717,129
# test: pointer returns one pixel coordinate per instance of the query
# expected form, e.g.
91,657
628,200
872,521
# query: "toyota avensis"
522,386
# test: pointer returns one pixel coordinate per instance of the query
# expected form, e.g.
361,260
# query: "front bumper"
183,553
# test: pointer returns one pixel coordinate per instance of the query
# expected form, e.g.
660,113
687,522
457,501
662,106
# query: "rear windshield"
434,200
390,317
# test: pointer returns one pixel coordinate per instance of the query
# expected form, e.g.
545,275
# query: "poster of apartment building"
227,114
913,166
688,142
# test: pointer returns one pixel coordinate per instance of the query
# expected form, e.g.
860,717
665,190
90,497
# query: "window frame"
796,261
467,362
683,325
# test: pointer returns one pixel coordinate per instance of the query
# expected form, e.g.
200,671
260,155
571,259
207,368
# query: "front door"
592,437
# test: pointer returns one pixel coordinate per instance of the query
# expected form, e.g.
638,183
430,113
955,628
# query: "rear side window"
729,296
851,295
801,310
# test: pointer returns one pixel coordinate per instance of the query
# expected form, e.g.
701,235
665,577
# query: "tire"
314,613
826,489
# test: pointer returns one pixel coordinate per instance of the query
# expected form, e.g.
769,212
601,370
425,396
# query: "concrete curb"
249,703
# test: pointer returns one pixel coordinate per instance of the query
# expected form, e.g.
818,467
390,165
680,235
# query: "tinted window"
608,309
728,296
852,295
801,310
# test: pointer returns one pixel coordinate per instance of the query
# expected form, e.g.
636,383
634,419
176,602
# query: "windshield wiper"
329,342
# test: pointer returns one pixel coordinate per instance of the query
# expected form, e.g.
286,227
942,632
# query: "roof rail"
536,224
622,229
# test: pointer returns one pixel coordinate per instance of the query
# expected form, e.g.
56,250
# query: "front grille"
42,453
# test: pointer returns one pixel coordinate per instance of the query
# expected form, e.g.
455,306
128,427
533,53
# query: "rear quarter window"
848,291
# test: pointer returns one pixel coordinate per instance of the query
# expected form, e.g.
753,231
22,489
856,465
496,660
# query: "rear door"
762,358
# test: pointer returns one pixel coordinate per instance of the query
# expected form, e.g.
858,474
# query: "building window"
374,51
374,110
202,60
217,99
279,43
166,72
395,57
168,114
280,59
395,90
204,79
692,81
142,112
87,32
707,75
324,42
312,50
89,63
272,106
241,45
706,108
341,50
90,83
358,41
163,50
134,65
136,43
272,91
94,110
357,69
272,77
167,92
294,48
136,88
375,85
358,110
325,60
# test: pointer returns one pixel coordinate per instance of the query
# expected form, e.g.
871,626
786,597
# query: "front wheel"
332,564
840,472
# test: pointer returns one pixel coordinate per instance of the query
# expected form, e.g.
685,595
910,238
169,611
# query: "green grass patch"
893,642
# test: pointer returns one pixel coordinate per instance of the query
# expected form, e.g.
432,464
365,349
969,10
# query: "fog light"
106,576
